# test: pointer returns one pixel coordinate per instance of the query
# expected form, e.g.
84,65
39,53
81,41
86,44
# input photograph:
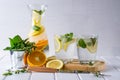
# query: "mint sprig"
40,12
67,37
18,44
93,41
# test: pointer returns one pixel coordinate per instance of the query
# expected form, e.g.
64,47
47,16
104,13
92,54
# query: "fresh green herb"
17,44
36,28
40,12
97,74
90,63
17,71
9,72
81,43
93,40
67,37
23,70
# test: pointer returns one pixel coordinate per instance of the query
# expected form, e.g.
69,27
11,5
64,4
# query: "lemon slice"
36,18
92,49
55,64
67,44
58,44
35,33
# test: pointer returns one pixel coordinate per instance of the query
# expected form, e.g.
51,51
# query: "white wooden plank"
114,61
5,63
114,76
1,76
42,76
22,76
66,76
89,77
111,68
2,56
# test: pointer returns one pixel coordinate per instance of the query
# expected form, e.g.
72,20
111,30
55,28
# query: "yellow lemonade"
38,32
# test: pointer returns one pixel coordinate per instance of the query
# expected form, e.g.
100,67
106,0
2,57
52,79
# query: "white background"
100,17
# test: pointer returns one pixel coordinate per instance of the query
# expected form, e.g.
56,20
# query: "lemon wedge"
36,18
35,33
58,44
92,49
55,64
67,44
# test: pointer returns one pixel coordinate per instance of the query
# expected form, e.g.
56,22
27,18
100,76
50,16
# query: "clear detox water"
68,54
87,48
65,46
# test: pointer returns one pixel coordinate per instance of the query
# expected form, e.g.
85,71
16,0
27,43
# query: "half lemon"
55,64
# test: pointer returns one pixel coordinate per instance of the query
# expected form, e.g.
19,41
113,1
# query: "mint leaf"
17,44
36,28
7,48
11,43
67,37
93,41
17,39
81,43
40,12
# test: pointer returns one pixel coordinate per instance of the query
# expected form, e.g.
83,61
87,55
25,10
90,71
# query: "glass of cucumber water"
87,48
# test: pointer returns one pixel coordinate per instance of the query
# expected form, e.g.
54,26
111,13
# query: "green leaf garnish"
17,39
67,37
93,41
81,43
40,12
17,44
36,28
97,74
9,72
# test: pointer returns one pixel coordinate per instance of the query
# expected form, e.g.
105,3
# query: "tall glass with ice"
65,46
87,48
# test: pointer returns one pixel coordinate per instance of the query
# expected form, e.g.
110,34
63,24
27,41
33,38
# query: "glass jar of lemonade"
38,32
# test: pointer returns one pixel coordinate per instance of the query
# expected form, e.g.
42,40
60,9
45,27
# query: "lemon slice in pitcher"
37,32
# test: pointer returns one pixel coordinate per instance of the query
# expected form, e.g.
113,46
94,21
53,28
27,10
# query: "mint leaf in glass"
67,37
81,43
93,41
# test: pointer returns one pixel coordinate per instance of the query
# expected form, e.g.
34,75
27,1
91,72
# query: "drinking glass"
64,48
87,48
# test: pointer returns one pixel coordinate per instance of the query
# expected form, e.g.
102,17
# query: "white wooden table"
112,68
